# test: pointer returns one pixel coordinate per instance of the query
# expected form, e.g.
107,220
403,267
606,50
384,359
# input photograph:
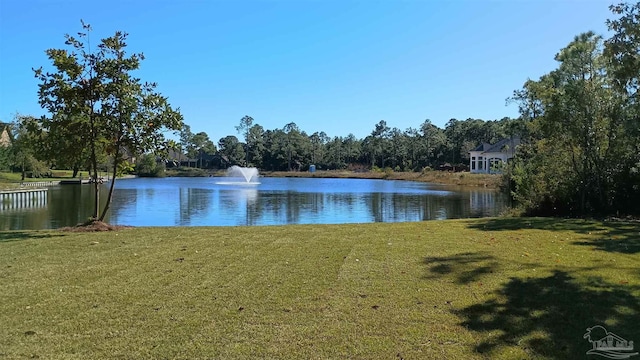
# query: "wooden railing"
39,183
23,198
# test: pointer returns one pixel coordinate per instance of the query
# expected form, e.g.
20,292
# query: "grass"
499,288
12,180
437,177
16,177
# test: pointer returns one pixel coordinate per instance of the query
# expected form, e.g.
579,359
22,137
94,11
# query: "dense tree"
375,146
186,143
580,143
148,165
202,146
622,52
231,150
26,147
65,146
318,143
115,113
412,149
335,153
244,128
256,145
6,157
275,157
294,145
398,149
431,139
352,148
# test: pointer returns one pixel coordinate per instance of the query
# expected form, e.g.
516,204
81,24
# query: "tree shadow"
466,267
520,223
548,316
8,236
620,238
611,236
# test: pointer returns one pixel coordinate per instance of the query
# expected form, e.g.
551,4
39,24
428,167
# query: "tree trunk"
94,159
94,165
112,186
96,189
75,171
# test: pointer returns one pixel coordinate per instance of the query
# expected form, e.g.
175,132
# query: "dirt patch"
92,226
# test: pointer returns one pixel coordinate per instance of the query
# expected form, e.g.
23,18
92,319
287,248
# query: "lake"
206,202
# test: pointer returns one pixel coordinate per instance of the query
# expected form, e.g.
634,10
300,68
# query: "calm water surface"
204,202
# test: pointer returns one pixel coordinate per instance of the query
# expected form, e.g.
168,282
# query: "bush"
186,172
149,167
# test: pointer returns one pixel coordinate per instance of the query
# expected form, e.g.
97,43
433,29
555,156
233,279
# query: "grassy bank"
8,180
16,177
12,180
437,177
461,289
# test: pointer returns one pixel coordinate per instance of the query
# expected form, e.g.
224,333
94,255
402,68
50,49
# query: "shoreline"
466,179
490,181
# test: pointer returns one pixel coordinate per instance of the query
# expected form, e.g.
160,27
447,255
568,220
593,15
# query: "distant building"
5,134
488,159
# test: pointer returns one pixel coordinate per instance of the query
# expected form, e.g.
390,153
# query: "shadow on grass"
466,267
7,236
611,236
548,316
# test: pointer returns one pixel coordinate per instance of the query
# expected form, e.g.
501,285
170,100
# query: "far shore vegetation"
10,180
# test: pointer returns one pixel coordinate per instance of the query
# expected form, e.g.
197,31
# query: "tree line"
291,148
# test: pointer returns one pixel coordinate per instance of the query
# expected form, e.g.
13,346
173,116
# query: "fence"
24,198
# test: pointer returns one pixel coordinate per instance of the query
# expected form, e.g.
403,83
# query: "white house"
488,159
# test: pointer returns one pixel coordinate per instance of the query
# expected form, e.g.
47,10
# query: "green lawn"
12,180
507,288
16,177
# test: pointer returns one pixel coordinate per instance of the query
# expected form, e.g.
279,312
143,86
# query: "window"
473,163
495,164
480,163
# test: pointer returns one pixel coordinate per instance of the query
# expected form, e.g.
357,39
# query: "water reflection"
202,202
193,203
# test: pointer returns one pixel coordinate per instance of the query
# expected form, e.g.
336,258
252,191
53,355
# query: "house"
488,159
5,135
176,158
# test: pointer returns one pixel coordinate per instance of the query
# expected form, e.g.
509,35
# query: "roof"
5,140
482,147
507,145
173,154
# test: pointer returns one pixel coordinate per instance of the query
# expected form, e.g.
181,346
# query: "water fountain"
244,176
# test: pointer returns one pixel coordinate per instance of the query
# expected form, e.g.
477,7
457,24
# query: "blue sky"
333,66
